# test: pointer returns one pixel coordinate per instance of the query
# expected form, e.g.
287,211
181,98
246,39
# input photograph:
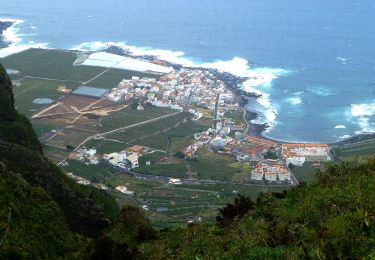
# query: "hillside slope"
65,206
333,218
31,223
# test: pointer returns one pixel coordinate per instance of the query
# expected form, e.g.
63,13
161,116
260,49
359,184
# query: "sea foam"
364,116
13,36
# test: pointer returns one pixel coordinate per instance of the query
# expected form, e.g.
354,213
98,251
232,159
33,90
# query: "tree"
179,154
237,210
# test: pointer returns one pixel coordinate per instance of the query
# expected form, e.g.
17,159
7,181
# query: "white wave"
342,60
320,91
294,101
299,93
363,109
343,137
340,127
176,57
363,114
14,38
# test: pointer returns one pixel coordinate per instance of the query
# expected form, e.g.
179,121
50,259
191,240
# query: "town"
174,140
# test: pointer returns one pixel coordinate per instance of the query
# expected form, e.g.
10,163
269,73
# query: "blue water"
328,47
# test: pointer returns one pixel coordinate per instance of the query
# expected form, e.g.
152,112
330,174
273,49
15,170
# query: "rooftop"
90,91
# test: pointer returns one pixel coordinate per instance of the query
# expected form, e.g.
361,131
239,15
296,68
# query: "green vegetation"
55,64
170,134
219,167
152,157
31,89
131,116
236,115
32,224
334,217
306,172
359,148
113,77
177,170
270,155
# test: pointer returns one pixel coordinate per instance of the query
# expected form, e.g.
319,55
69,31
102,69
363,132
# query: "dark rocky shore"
3,27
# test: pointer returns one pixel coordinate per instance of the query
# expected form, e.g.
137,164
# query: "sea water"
312,61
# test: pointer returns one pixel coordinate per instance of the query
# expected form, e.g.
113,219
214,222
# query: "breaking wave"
14,38
364,116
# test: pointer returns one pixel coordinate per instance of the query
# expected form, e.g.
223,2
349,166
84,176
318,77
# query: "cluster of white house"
122,159
297,154
124,189
176,90
271,170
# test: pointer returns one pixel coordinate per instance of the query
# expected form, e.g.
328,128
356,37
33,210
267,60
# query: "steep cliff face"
86,210
14,128
31,224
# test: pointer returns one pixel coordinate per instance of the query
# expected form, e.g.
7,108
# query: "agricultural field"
157,134
112,77
306,172
212,166
50,64
175,204
363,146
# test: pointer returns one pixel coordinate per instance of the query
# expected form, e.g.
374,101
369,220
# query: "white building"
270,176
255,176
124,190
284,176
133,159
297,161
175,181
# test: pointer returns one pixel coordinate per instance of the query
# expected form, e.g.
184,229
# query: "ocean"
312,61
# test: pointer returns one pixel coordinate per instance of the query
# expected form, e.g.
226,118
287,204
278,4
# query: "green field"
130,116
175,170
112,77
31,89
236,115
53,64
219,167
182,201
356,149
305,173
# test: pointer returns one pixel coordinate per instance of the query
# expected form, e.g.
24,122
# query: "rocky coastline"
4,25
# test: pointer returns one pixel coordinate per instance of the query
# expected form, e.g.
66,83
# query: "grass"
305,173
56,64
95,173
42,127
172,134
182,201
358,148
130,116
106,146
152,157
56,155
32,89
236,115
219,167
176,170
113,77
